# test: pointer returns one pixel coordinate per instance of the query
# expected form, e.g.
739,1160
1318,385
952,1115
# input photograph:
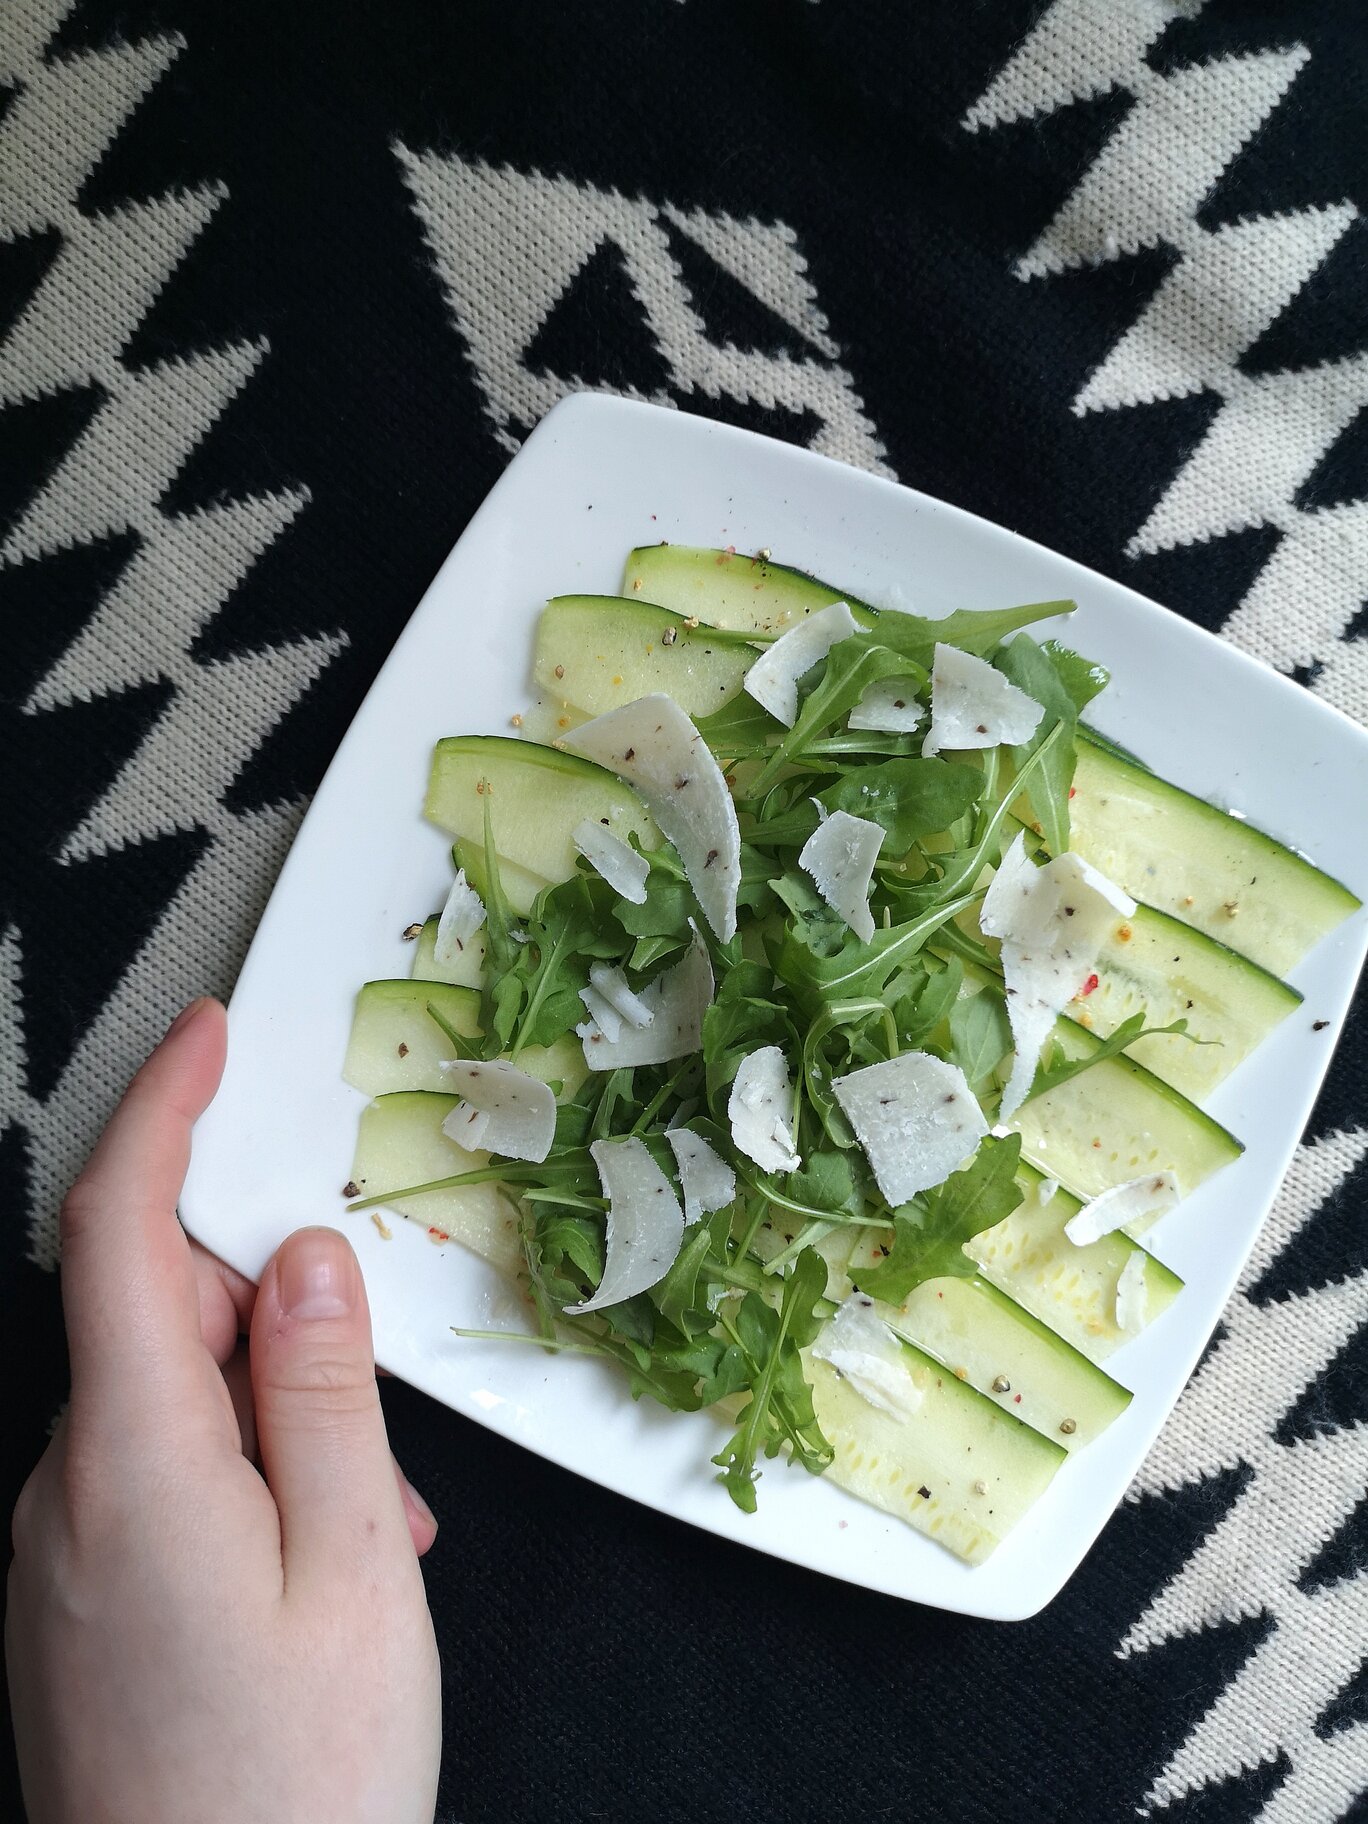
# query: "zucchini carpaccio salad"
819,1016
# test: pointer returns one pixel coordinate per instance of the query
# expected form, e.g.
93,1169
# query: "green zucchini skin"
1200,865
537,798
598,651
396,1044
958,1468
730,589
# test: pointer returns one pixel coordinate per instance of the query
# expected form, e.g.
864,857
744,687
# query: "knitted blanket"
281,288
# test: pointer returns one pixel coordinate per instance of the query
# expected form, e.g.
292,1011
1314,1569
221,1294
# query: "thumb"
320,1430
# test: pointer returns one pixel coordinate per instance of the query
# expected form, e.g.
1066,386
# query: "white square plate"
599,476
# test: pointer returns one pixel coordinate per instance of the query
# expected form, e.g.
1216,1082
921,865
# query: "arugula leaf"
570,1253
743,1018
962,867
1082,678
930,1232
780,1408
980,1035
815,924
1032,669
677,1297
909,798
665,912
858,970
852,665
1062,1070
972,630
826,1180
834,1022
461,1047
740,729
920,1007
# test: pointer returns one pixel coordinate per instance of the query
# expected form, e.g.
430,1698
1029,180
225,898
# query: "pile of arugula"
748,1291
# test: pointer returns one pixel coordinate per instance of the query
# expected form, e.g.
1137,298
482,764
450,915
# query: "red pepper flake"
1088,986
1073,791
438,1235
1016,1399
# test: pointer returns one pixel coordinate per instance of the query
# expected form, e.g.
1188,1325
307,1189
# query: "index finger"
128,1281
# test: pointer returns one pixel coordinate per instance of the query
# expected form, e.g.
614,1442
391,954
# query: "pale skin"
189,1635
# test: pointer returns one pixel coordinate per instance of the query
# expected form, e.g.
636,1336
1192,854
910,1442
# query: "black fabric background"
602,1662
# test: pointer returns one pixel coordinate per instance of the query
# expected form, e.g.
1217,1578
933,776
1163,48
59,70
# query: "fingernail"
317,1275
186,1014
424,1511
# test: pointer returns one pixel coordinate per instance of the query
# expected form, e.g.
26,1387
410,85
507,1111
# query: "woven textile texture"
281,288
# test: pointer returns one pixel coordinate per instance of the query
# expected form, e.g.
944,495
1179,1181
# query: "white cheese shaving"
916,1118
603,1016
974,706
462,916
1045,1191
707,1181
1132,1294
645,1223
862,1348
890,706
1053,922
520,1112
760,1109
773,679
612,985
615,860
1122,1205
676,1000
467,1126
840,856
654,746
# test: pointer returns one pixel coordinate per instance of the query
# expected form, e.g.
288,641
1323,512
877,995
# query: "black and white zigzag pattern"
280,290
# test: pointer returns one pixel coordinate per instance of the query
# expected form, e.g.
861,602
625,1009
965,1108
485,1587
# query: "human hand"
189,1638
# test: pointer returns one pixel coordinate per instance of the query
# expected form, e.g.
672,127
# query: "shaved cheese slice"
645,1223
1045,1191
840,856
1123,1204
1132,1294
707,1181
862,1349
520,1112
615,860
654,746
760,1109
773,679
462,916
612,985
890,705
467,1126
916,1118
974,706
1053,922
676,1000
603,1016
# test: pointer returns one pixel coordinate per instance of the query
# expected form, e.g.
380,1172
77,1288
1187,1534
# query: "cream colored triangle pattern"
1180,132
1297,1496
109,269
508,243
